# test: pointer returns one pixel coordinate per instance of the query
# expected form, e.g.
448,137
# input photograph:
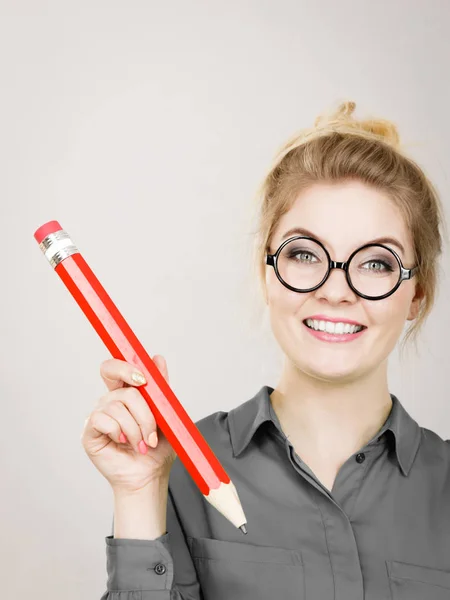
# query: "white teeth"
336,328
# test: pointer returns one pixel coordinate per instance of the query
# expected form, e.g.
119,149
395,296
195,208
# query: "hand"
123,410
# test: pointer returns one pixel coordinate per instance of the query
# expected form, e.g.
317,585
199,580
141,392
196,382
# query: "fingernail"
153,439
123,438
142,447
138,378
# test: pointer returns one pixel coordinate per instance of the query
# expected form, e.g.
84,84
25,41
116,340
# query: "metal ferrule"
57,246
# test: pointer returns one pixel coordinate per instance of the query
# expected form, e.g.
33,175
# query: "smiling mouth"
359,328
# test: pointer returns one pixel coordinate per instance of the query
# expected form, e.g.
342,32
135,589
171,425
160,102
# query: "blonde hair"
340,148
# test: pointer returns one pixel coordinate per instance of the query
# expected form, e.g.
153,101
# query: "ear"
416,303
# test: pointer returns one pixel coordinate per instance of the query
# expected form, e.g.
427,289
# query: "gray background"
145,128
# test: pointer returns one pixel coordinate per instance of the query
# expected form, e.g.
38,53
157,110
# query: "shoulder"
214,429
213,423
185,495
433,447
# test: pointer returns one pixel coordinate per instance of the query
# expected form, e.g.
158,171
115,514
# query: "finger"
160,362
118,373
100,423
139,422
128,425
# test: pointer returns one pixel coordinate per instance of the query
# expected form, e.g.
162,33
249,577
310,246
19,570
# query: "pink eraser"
46,229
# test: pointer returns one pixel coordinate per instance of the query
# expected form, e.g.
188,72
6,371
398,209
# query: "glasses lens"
302,264
373,271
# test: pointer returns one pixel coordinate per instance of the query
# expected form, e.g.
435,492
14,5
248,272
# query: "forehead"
344,216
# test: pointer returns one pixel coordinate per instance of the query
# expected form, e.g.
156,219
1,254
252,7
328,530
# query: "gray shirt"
382,533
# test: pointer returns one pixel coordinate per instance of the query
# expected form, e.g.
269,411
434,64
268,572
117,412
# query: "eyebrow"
380,240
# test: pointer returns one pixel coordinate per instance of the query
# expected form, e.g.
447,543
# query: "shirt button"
361,457
160,569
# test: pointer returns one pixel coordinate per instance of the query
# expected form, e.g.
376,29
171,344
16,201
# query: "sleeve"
160,569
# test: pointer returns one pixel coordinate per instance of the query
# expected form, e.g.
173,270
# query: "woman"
345,495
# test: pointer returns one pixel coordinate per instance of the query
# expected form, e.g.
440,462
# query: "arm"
148,556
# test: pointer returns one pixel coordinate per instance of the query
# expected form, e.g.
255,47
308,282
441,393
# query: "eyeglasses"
373,271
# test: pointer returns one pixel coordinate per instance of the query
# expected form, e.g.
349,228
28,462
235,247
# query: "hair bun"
341,120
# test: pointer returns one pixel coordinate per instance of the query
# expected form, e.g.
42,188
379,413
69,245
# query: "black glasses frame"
271,259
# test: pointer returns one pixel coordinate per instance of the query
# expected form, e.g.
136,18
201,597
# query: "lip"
334,320
334,337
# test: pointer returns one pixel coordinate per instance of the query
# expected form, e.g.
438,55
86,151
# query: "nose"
336,287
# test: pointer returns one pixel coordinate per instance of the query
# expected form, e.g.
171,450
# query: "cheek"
280,297
286,311
390,312
387,319
285,302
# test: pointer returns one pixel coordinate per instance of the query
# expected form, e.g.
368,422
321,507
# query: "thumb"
162,366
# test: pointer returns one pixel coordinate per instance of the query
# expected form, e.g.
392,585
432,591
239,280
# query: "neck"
327,420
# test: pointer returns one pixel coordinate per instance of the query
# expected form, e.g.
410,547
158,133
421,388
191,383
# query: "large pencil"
173,420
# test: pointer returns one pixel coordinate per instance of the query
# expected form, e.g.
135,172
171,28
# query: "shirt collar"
245,420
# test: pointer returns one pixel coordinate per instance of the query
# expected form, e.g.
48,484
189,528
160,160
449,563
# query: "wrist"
141,514
155,485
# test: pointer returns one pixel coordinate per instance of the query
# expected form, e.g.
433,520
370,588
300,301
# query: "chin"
331,372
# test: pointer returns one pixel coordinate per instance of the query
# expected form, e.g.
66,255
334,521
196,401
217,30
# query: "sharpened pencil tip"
243,528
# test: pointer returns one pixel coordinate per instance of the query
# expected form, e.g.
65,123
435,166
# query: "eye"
303,254
386,265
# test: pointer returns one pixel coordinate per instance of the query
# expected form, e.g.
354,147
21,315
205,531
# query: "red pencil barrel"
181,432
